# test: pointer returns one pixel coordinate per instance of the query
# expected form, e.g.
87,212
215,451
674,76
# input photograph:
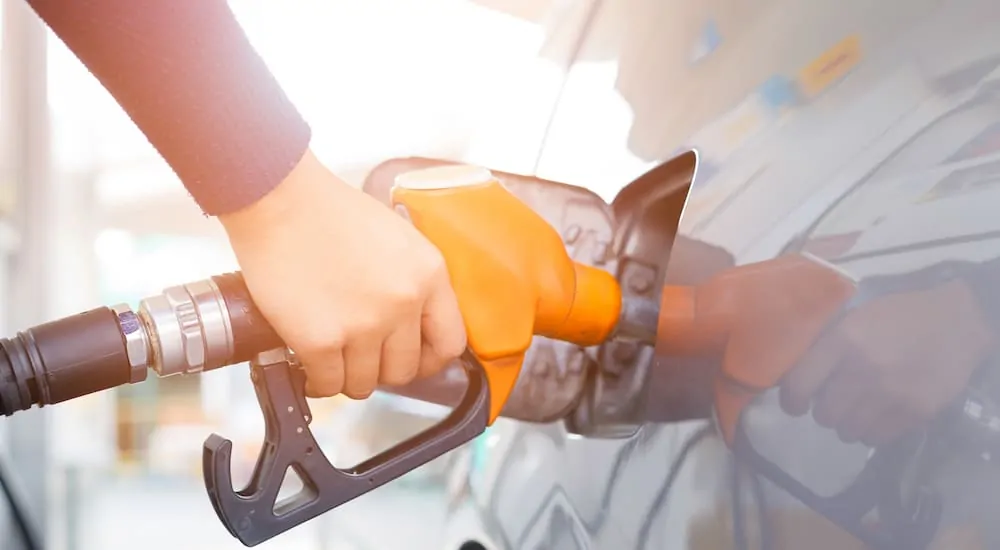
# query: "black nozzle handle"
253,514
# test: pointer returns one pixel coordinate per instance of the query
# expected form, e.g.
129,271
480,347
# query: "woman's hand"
355,290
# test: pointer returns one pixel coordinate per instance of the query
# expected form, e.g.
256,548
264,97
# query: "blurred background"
90,215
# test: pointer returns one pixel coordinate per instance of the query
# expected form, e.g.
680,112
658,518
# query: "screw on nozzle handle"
205,325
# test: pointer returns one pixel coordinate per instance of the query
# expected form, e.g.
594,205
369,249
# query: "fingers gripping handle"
252,514
513,280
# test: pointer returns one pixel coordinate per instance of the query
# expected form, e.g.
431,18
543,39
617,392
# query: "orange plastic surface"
512,276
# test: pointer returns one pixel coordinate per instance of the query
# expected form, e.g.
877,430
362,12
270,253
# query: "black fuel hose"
52,363
88,352
62,360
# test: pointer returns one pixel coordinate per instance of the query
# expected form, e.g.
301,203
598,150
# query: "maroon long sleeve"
188,77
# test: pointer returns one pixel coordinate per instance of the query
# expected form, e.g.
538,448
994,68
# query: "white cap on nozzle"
444,177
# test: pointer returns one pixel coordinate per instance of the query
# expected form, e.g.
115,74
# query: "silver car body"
866,133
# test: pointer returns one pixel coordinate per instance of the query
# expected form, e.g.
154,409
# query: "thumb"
442,329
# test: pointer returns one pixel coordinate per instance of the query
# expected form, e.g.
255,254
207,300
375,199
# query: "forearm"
187,75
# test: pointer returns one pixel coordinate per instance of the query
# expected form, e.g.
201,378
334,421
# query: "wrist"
308,182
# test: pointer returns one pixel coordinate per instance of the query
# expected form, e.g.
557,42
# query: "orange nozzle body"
509,268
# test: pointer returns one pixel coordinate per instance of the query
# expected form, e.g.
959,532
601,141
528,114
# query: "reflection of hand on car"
891,364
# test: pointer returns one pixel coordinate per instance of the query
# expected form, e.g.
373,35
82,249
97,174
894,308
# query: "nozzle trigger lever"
252,514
